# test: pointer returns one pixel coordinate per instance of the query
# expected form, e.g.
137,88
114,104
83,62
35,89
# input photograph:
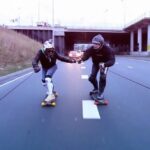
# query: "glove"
36,69
79,61
73,61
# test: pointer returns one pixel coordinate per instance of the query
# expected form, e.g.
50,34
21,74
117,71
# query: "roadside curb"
145,58
14,75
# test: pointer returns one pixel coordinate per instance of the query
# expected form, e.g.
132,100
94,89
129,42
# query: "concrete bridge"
134,39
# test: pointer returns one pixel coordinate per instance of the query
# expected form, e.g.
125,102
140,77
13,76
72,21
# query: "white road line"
82,67
116,63
130,67
140,60
84,76
90,110
82,63
15,79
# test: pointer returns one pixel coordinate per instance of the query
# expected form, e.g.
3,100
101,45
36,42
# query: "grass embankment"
16,51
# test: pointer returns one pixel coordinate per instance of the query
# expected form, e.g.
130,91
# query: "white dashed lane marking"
84,76
90,110
130,67
83,67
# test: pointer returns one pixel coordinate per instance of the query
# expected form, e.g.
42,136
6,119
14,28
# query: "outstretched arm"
86,55
65,59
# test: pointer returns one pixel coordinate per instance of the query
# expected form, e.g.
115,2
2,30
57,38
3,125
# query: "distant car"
75,54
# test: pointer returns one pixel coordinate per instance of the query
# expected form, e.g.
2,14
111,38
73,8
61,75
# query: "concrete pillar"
58,39
38,35
49,34
131,41
139,39
148,38
44,36
32,34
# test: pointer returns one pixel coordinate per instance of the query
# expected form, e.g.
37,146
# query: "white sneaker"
50,98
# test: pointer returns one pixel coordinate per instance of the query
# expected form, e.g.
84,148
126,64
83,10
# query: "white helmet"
47,45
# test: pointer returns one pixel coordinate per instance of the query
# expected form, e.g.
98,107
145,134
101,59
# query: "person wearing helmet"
102,58
47,56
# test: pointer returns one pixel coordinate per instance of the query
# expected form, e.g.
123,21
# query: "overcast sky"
77,13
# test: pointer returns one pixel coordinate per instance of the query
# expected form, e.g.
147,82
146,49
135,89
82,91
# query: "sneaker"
44,83
94,91
50,98
100,96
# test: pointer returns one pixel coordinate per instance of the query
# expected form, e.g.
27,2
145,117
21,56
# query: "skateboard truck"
101,102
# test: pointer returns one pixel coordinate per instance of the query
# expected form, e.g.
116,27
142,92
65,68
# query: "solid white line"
116,63
15,79
82,67
90,110
84,76
130,67
140,60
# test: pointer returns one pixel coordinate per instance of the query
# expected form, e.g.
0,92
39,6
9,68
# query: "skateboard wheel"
53,104
43,104
106,102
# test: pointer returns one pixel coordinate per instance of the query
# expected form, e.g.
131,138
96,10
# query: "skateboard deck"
97,101
44,103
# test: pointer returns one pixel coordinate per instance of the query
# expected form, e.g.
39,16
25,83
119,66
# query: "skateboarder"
47,57
102,58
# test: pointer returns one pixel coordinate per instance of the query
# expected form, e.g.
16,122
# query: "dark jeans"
48,72
102,78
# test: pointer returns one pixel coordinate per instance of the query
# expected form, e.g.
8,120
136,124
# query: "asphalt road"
123,125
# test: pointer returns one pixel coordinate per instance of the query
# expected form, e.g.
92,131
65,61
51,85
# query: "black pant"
102,78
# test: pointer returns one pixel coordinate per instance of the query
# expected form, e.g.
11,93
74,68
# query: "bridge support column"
58,39
148,38
131,41
139,40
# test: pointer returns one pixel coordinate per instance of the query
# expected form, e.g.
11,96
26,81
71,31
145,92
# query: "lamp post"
53,23
52,13
124,12
38,10
105,17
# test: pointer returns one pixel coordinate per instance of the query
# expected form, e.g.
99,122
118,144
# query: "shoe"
94,91
44,84
50,98
100,96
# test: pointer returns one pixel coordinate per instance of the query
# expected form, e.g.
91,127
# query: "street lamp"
39,11
105,17
53,36
124,12
52,13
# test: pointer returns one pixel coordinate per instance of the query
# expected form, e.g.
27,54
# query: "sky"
73,13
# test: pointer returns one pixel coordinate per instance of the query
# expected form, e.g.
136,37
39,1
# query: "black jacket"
104,55
48,62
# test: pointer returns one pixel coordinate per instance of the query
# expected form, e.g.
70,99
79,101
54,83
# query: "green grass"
13,68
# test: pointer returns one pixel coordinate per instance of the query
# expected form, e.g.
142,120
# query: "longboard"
51,103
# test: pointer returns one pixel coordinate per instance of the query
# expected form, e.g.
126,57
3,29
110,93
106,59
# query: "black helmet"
98,39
